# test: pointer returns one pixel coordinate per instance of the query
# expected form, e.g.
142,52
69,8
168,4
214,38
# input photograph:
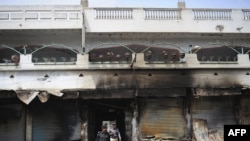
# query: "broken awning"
26,96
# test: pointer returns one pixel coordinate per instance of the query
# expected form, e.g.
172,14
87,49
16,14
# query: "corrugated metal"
162,118
55,121
12,122
245,110
217,111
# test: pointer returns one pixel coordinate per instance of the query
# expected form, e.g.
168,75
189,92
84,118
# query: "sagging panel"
162,118
216,111
12,121
55,121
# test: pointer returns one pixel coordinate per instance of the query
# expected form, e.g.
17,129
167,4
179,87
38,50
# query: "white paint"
185,24
31,77
41,17
27,97
235,132
86,82
70,17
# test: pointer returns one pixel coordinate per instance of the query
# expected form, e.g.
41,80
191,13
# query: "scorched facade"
159,73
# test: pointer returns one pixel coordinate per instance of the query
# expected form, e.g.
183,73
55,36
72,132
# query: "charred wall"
179,117
12,120
55,120
162,119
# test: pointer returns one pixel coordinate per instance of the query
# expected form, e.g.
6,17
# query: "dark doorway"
101,111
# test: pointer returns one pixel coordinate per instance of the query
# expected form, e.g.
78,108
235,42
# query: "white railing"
212,14
113,13
11,15
162,14
40,15
246,14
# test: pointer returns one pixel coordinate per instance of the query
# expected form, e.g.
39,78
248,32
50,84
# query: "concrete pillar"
84,123
188,116
243,59
128,125
181,4
135,130
28,129
83,36
85,3
25,60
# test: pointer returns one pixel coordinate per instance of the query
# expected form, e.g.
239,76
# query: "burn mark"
153,79
55,120
10,111
169,122
11,119
119,79
214,113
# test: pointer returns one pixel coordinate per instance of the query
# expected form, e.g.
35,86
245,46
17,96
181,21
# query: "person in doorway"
103,135
114,133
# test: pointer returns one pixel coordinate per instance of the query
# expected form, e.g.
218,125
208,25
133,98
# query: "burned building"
160,73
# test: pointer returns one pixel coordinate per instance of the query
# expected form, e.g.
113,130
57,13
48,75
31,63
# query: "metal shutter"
245,110
12,122
55,121
162,118
217,111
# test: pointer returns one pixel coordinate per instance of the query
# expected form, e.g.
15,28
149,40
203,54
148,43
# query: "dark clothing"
102,136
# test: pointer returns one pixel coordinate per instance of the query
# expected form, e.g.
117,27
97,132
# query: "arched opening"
9,55
124,53
53,54
217,54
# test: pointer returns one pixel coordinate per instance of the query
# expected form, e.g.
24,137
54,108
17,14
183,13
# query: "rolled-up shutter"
162,118
55,121
217,111
12,121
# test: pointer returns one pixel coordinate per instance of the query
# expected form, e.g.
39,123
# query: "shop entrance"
106,112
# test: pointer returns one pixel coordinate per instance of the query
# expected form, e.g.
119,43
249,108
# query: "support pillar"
188,116
84,123
84,4
28,125
135,130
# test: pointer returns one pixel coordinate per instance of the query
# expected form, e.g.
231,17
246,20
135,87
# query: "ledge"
189,62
